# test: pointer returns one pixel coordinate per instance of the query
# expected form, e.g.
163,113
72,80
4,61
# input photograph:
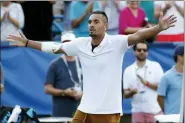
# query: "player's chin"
92,34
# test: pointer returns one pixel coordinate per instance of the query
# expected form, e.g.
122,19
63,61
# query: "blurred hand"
71,92
148,26
89,8
79,95
141,79
18,40
165,23
134,91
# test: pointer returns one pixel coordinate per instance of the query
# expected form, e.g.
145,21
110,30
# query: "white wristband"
50,47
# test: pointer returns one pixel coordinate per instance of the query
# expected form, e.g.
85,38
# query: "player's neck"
179,68
140,63
97,40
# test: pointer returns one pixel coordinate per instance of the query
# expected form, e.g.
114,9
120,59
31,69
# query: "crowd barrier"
25,71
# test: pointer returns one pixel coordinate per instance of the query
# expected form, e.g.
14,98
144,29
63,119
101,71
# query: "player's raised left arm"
143,34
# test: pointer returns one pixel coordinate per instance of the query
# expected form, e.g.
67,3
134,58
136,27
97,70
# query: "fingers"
173,19
14,37
21,34
161,15
171,22
11,40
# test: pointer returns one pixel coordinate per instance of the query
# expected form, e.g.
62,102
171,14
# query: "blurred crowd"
37,19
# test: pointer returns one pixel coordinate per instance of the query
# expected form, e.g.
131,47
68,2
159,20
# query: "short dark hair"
102,13
135,46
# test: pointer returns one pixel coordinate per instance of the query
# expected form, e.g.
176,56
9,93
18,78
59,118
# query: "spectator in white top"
140,82
112,8
12,18
176,33
101,57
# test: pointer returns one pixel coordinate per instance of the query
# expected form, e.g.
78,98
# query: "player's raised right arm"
49,47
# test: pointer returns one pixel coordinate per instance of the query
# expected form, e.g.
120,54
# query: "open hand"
89,8
165,23
18,40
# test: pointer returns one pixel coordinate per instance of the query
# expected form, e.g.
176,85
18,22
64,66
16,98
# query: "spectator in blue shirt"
63,83
169,90
79,15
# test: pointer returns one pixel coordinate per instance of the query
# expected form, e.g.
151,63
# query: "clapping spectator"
12,18
112,8
176,8
132,18
79,15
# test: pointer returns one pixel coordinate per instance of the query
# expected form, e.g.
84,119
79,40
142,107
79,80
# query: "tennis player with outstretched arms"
101,56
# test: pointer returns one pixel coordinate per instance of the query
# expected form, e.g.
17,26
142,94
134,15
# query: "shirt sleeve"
126,82
20,15
163,86
51,74
72,48
121,42
159,73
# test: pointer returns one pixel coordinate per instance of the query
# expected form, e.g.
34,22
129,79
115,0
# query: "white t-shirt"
179,25
102,72
16,12
145,102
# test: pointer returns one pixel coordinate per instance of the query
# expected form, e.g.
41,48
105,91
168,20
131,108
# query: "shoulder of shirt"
55,61
168,74
116,37
16,5
141,9
82,39
130,67
124,9
153,62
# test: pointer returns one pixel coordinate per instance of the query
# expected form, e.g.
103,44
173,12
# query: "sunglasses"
144,50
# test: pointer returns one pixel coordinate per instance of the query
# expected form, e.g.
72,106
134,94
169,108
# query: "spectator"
63,78
38,19
112,9
140,83
168,8
132,18
169,91
1,80
12,18
79,14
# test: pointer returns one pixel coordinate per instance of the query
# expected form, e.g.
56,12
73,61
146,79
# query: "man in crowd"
101,57
63,82
169,91
79,15
141,80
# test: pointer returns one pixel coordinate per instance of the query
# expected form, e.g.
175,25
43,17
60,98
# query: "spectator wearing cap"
169,89
63,82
